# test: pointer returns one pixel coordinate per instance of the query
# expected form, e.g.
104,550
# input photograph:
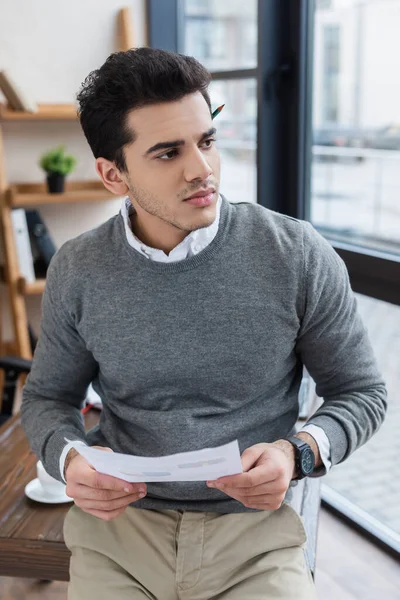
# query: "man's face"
173,157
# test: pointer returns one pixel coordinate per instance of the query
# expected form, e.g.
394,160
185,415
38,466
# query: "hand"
267,472
102,496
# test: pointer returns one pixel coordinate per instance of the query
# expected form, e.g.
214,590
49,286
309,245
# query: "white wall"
49,47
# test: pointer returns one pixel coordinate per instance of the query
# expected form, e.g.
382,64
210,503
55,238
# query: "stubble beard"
152,205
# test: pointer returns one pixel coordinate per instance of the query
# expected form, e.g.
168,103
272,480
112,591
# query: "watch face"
307,461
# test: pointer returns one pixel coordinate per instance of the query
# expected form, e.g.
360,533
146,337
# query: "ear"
111,177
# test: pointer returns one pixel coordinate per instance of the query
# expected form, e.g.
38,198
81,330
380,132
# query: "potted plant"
57,165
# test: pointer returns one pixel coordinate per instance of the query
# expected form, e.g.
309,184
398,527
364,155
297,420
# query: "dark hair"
129,80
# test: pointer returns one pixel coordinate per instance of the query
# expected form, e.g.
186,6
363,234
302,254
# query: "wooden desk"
31,534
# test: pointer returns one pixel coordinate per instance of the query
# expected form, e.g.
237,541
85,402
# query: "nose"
197,166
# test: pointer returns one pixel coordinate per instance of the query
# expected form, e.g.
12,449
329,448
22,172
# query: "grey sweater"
200,352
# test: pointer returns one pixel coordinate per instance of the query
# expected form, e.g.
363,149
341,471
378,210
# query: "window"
354,202
223,37
331,74
220,34
356,124
236,137
374,470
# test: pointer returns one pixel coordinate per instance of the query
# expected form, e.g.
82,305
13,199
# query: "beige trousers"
174,555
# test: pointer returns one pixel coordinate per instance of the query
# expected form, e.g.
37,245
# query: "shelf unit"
28,195
31,194
46,112
31,289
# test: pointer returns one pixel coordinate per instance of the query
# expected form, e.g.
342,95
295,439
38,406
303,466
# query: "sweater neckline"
187,263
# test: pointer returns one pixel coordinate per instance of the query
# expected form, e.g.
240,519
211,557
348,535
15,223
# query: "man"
193,318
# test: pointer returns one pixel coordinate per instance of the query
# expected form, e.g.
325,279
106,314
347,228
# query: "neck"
159,235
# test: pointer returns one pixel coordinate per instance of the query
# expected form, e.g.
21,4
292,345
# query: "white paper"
199,465
93,397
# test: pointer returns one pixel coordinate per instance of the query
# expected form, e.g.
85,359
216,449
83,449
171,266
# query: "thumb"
99,448
102,448
250,457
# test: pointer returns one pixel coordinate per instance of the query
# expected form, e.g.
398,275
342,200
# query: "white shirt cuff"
323,444
64,453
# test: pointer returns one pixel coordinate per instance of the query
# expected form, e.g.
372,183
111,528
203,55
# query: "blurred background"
310,128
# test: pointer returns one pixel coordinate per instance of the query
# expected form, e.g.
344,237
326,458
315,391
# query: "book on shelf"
35,247
41,241
23,244
16,98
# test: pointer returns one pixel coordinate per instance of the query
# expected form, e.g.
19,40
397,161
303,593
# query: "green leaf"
56,161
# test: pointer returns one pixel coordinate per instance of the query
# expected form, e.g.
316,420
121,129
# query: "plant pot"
55,183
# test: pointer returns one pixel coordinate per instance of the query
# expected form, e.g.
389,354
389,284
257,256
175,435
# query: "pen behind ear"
217,111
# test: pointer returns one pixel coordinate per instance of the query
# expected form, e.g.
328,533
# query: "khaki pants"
174,555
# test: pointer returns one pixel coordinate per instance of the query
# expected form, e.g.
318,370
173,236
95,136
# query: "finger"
87,493
99,481
106,515
266,502
256,476
263,502
274,504
109,506
273,488
250,457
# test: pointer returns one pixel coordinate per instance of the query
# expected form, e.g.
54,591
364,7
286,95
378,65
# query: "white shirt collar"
193,243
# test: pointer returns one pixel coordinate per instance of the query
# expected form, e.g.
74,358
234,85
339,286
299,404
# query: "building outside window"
331,73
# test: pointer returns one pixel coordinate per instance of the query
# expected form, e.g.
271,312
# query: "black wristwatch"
303,457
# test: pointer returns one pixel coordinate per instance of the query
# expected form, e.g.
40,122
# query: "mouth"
201,198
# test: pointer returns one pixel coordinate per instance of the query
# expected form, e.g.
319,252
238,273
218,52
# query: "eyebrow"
175,143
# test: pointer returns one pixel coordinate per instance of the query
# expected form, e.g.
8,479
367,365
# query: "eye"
170,154
210,141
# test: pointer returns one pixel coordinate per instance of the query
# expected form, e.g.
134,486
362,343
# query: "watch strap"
299,446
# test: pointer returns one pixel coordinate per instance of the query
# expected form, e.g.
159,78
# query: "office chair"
12,366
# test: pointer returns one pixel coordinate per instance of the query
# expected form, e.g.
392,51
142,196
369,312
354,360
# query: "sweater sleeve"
55,389
334,346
